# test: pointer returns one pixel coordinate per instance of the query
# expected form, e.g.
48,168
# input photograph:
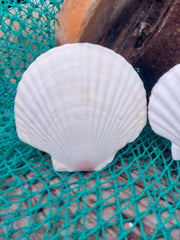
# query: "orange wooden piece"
69,26
88,20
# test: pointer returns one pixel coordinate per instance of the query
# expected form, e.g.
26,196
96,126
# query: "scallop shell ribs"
164,109
80,103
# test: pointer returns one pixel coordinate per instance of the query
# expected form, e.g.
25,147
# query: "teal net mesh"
137,196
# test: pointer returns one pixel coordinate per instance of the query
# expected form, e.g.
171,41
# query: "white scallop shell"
164,108
80,103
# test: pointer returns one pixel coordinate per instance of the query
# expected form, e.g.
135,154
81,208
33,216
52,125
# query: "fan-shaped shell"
164,108
80,103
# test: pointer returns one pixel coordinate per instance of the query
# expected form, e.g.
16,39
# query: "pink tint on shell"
85,165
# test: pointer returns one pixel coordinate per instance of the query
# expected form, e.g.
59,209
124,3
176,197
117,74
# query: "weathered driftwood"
146,33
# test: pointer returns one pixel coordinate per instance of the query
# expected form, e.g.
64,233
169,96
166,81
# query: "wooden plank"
87,199
156,182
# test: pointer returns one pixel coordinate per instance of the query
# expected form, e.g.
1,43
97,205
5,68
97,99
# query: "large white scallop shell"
80,103
164,108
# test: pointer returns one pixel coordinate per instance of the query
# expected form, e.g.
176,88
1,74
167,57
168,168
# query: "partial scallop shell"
80,103
164,108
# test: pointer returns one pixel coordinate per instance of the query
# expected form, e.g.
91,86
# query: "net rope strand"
137,195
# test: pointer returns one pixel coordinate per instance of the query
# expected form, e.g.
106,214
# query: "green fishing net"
137,196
